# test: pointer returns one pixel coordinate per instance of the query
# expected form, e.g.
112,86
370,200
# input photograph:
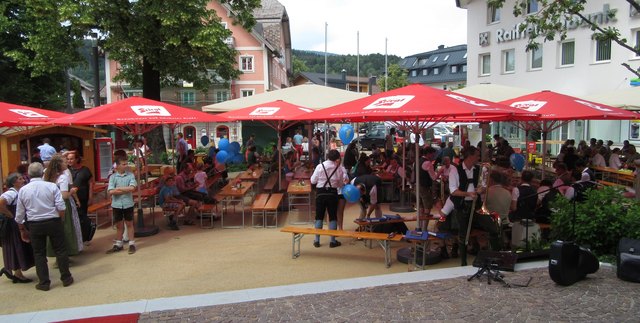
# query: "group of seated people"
596,153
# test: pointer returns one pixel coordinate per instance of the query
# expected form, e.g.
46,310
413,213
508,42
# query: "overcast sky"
410,26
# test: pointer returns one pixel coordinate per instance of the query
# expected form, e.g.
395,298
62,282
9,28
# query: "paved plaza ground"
599,298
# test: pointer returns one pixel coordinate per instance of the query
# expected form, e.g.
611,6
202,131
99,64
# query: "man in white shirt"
46,150
41,207
614,159
597,159
327,177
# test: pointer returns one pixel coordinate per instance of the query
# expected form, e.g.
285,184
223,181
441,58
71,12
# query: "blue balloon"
234,147
223,144
204,140
237,159
517,161
346,133
351,193
222,156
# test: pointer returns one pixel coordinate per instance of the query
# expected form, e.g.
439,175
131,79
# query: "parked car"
374,136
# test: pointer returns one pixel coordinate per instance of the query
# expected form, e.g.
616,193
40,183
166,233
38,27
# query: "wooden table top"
230,190
303,173
613,170
296,188
252,175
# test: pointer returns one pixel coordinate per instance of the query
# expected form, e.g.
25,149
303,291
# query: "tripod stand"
490,269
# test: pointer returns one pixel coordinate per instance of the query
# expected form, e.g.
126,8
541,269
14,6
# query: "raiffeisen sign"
606,16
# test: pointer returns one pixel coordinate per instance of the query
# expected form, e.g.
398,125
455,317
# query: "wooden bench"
271,209
257,208
607,183
271,183
92,210
382,238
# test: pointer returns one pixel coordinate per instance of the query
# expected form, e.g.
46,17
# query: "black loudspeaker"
629,260
569,263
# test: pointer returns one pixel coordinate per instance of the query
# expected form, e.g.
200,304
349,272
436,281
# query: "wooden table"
231,194
252,176
303,173
155,169
147,194
299,194
623,177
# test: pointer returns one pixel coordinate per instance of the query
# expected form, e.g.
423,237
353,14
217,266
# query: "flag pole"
386,66
358,63
325,54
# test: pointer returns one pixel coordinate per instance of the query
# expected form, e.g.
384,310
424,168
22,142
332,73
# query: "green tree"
397,78
76,100
548,23
299,65
159,42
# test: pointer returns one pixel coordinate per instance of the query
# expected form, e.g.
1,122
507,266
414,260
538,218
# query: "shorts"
120,214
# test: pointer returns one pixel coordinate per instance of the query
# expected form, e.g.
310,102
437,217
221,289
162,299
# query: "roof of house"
441,58
333,80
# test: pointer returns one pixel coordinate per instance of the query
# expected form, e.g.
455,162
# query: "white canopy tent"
307,95
627,98
494,92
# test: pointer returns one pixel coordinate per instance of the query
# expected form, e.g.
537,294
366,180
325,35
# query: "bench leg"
387,252
296,243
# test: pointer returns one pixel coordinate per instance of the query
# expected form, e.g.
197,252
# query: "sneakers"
67,282
335,244
316,244
132,249
114,249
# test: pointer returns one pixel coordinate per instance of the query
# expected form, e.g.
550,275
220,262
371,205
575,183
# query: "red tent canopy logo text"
28,113
531,105
150,111
390,102
264,111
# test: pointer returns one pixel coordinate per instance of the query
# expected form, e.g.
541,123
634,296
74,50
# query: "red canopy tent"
556,109
418,107
278,115
18,117
137,115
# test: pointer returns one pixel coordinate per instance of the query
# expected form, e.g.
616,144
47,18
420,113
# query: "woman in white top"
57,172
614,159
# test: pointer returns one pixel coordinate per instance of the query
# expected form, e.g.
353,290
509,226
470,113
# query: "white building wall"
585,77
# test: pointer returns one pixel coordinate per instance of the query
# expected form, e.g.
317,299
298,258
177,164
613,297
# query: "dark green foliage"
77,101
600,221
370,65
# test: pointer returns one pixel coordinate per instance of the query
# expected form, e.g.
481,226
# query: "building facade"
339,81
264,58
444,68
578,65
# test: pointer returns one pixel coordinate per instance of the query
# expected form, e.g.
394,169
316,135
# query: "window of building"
246,63
445,58
603,50
532,6
436,70
464,68
567,53
465,56
422,61
425,72
454,69
188,97
536,58
485,64
435,58
493,14
636,34
414,73
246,92
508,61
222,96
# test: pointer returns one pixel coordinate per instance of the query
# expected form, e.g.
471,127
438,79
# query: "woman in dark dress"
17,254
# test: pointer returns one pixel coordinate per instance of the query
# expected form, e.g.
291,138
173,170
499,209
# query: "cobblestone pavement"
601,297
